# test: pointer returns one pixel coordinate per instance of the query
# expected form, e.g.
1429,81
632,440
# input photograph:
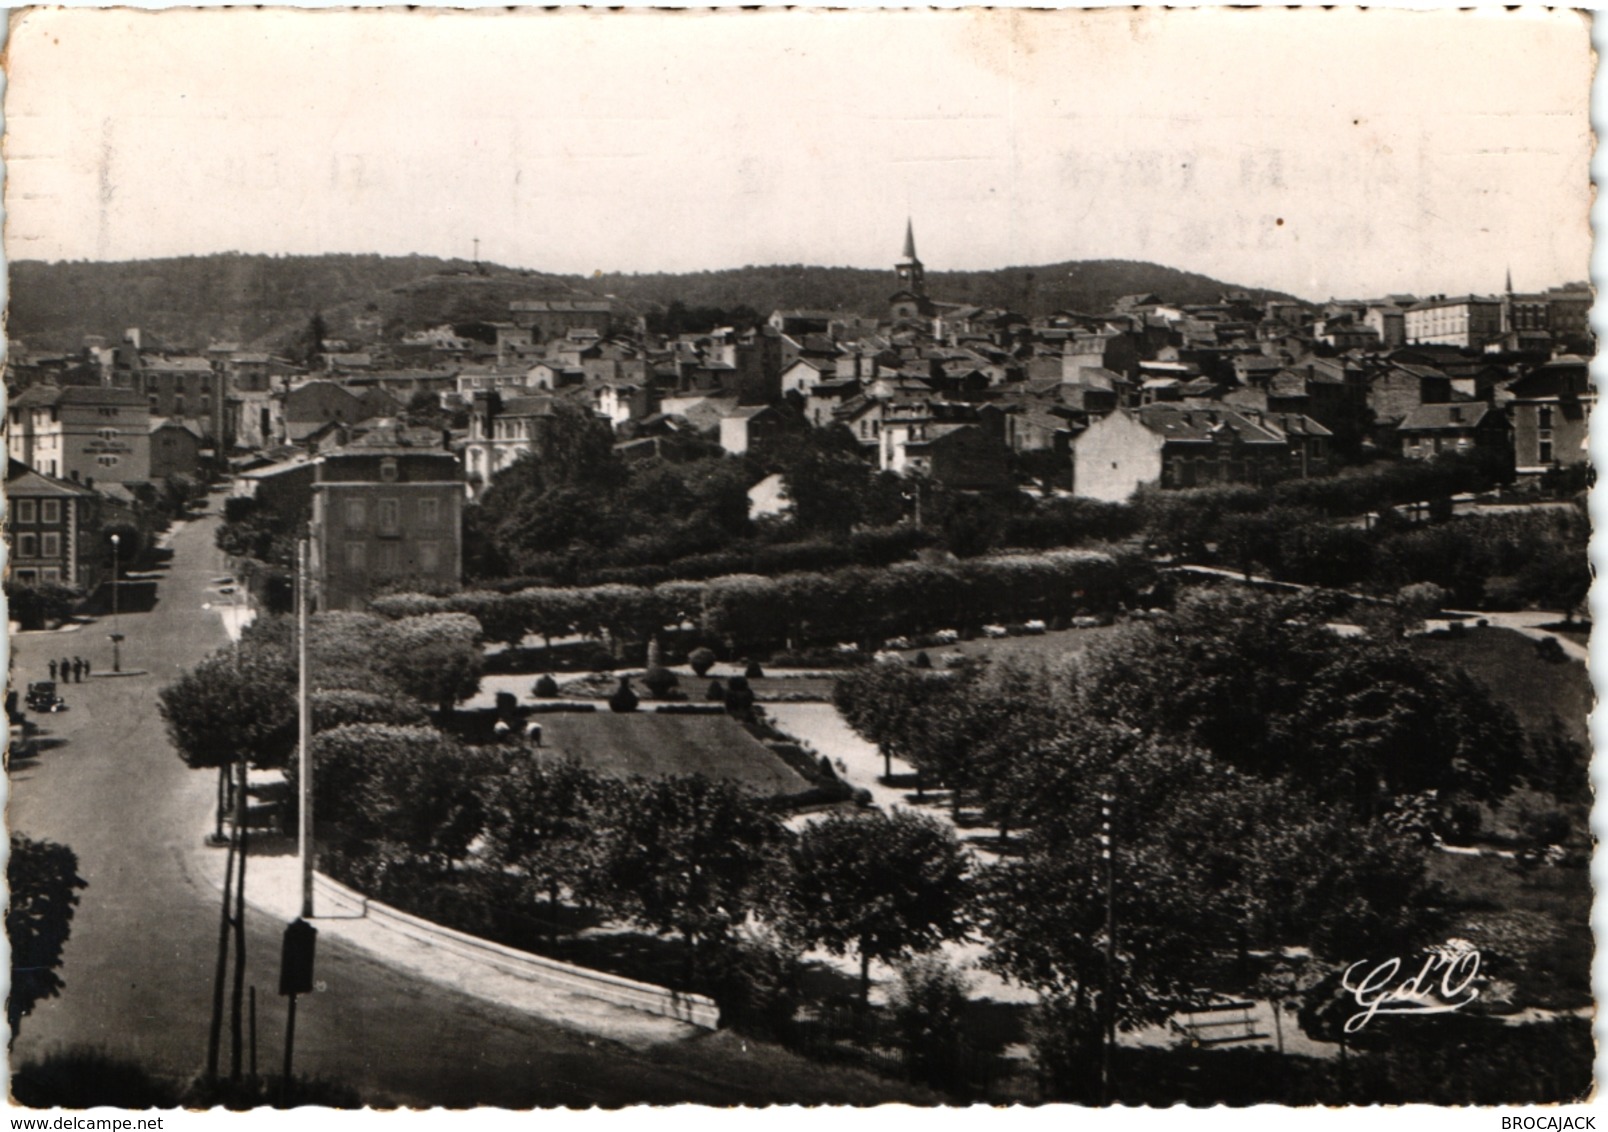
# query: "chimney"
1457,414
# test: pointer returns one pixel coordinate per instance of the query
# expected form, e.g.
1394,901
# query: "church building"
910,301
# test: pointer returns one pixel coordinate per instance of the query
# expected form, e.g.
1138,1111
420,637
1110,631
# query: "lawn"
1048,646
1532,926
652,745
1506,663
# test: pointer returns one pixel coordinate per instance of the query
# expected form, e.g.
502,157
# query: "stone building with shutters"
385,510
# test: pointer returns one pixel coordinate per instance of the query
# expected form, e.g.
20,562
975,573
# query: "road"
138,967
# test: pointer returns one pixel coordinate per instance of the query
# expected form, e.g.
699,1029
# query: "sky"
1323,153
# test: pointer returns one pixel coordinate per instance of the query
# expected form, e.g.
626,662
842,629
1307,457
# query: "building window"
106,433
155,403
429,557
50,544
50,510
25,511
389,558
356,557
107,461
429,512
390,519
356,516
388,469
50,574
178,404
1543,417
1545,452
26,575
28,546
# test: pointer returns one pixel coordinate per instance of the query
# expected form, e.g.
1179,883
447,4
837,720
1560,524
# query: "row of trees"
1274,786
751,610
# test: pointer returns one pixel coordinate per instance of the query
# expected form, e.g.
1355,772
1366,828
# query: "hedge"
856,603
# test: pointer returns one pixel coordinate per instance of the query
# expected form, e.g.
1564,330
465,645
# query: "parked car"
42,697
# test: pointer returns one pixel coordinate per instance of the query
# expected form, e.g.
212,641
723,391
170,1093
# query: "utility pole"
1108,1003
304,807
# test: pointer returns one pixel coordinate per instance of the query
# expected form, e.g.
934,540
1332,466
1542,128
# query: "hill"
257,300
1091,285
265,301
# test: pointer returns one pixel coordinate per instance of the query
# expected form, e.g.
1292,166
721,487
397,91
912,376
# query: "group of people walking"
72,670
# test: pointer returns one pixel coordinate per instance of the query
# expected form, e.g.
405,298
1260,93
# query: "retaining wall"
696,1009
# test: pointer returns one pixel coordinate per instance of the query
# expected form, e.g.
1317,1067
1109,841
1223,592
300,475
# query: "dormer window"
388,469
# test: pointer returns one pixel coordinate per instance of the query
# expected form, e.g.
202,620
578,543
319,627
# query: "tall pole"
304,808
117,638
1109,998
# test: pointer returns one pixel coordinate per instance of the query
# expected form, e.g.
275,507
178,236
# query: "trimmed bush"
922,660
660,682
702,660
717,692
739,696
624,699
754,671
546,686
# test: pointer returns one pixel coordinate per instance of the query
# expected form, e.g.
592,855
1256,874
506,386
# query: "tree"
1264,685
236,707
882,886
35,604
234,710
340,706
543,820
890,705
929,1009
436,659
409,787
1209,866
688,855
44,882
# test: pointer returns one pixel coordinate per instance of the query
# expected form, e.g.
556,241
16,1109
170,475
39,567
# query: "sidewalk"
480,969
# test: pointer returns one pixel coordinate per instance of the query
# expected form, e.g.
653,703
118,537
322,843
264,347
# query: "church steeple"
911,274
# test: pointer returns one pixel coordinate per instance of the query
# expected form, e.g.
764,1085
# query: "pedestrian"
78,670
52,670
66,670
86,668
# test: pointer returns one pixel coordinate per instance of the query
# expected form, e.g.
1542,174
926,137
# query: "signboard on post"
296,958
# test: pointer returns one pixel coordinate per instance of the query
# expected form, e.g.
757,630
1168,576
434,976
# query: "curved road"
138,966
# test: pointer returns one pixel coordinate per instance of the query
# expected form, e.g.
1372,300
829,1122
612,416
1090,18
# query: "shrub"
84,1077
717,692
754,671
507,705
702,660
624,699
1546,826
922,660
929,1003
546,686
1550,650
660,681
739,696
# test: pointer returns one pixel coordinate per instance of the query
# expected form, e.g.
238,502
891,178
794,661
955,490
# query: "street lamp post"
116,637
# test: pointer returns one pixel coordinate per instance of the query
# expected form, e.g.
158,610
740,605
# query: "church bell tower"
912,276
